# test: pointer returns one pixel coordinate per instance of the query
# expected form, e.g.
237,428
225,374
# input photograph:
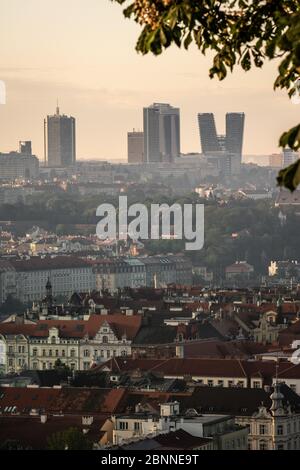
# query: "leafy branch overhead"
240,32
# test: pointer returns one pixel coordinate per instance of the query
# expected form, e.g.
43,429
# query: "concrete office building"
135,146
235,123
161,133
19,165
60,140
226,147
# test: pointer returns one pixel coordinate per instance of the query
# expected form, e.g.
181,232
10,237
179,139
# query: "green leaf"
290,177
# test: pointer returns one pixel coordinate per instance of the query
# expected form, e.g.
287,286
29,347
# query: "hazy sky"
82,52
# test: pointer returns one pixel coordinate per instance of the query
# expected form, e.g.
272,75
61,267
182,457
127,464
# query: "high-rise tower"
60,140
226,148
161,133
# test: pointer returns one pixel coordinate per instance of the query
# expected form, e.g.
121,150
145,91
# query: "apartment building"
77,344
150,271
26,279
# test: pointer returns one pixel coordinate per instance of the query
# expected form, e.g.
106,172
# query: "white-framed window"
262,429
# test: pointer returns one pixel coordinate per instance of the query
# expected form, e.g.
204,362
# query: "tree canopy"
70,439
243,33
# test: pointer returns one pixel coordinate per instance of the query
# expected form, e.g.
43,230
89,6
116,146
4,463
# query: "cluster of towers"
160,139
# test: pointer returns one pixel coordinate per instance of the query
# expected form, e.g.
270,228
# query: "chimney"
87,420
138,408
180,351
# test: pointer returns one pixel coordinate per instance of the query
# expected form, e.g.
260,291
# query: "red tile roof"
198,367
121,325
30,432
61,400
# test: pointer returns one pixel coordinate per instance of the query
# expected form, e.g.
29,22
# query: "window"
262,446
280,447
63,353
34,365
86,353
210,383
123,425
72,352
108,353
280,429
230,383
53,340
44,352
221,383
123,353
56,352
137,426
34,352
256,384
262,429
104,339
50,352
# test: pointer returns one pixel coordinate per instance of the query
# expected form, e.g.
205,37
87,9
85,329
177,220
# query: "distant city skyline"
68,50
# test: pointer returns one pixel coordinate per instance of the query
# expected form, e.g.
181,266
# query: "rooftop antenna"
57,107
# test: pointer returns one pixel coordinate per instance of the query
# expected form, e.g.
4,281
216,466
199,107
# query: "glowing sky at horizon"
82,52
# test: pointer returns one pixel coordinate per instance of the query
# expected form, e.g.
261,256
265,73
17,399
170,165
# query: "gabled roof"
121,325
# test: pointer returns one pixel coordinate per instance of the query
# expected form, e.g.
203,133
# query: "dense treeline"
236,230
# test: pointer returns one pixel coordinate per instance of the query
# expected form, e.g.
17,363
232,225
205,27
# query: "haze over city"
75,52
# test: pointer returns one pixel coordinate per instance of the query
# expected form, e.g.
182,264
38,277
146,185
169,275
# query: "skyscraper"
161,133
229,146
135,145
235,132
60,140
208,133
